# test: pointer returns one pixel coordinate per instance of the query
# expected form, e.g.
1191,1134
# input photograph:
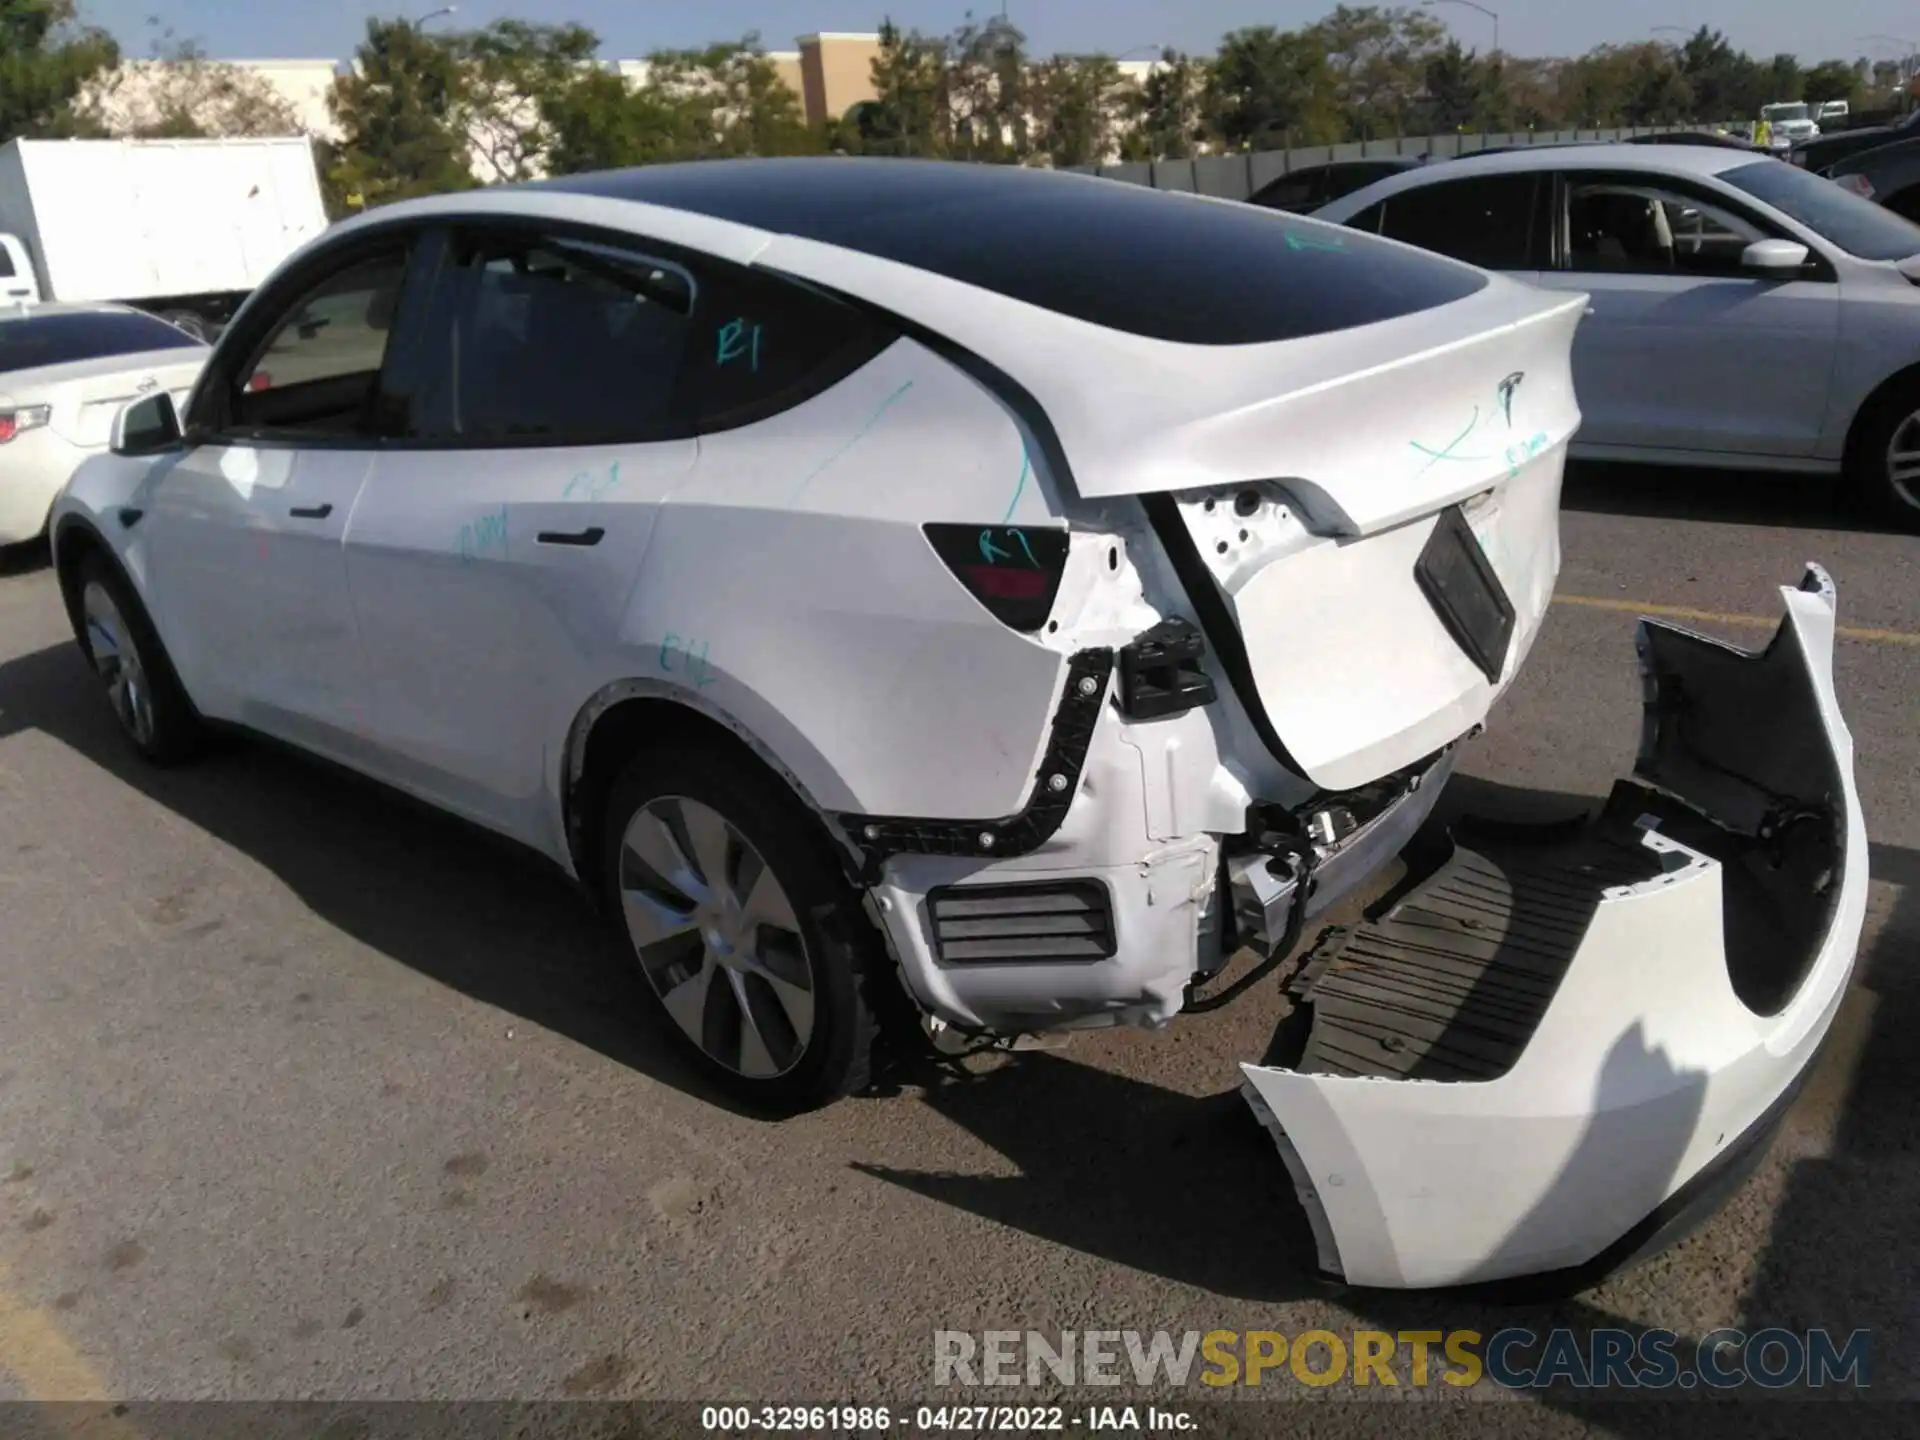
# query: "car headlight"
24,417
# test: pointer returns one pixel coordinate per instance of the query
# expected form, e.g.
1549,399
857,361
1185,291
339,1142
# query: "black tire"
841,951
155,715
1894,501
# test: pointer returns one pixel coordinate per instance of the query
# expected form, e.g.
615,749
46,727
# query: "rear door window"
553,340
1489,220
27,344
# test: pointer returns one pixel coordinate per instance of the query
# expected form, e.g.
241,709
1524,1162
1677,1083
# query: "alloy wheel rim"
716,937
116,659
1903,460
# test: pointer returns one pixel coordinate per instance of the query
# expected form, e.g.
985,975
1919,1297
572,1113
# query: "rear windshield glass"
61,339
1119,255
1857,226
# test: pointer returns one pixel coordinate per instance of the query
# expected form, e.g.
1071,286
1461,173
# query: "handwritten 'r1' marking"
732,343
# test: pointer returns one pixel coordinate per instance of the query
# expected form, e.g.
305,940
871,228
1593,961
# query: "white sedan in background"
1743,313
65,372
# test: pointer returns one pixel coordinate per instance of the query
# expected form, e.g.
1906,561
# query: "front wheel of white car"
748,936
119,641
1885,465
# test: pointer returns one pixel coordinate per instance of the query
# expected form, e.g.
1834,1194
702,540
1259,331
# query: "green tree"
47,61
1784,78
181,94
1269,88
1377,58
987,85
1457,85
1077,99
510,70
735,100
1833,80
911,113
602,122
400,113
1167,110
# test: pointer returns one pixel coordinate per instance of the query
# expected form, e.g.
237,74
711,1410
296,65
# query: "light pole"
1473,5
441,13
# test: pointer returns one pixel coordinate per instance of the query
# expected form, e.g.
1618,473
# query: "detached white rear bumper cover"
1551,1057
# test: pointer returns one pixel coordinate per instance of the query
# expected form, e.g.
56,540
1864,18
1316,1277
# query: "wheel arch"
75,538
627,715
1869,410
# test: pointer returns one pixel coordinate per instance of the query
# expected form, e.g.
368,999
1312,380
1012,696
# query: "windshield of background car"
1857,226
61,339
1785,112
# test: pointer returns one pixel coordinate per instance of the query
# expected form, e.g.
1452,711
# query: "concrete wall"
1235,177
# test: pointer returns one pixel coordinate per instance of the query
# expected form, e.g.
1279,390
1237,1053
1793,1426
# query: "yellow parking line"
35,1352
1718,617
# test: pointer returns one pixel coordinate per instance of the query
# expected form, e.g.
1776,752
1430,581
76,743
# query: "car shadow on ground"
480,915
1739,497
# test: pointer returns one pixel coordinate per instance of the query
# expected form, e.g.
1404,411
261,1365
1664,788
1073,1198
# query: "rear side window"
535,339
6,263
1487,221
86,335
763,344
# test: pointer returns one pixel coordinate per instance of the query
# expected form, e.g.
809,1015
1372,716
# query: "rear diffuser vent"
1050,923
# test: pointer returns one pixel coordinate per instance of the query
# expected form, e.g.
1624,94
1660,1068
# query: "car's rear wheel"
1885,463
119,641
749,937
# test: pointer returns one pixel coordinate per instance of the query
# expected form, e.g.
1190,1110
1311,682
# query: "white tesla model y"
1025,590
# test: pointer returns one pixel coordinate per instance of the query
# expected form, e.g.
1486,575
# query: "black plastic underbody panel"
882,836
1452,982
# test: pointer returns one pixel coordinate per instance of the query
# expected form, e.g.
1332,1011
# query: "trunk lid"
85,403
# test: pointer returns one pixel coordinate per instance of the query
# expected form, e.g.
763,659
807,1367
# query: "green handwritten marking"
990,552
858,436
1314,242
591,485
488,532
1021,536
1026,464
666,649
731,343
1452,445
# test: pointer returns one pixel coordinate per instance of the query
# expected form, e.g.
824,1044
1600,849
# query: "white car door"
1682,349
497,542
244,532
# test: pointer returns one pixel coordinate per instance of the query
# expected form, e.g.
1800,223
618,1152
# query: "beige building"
835,73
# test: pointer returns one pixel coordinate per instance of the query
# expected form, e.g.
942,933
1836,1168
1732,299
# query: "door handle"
315,512
591,536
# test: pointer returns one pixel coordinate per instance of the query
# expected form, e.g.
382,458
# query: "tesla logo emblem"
1507,387
147,384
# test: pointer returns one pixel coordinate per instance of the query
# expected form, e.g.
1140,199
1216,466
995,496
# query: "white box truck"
181,228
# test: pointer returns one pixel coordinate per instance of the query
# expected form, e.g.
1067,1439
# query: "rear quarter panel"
789,586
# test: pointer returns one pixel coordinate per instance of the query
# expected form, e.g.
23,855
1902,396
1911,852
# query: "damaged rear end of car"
1563,1046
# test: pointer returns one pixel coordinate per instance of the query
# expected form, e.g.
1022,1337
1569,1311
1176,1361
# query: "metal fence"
1235,177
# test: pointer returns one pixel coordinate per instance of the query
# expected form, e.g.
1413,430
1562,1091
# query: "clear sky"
302,29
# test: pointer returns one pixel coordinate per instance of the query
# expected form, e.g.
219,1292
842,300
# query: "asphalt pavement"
305,1093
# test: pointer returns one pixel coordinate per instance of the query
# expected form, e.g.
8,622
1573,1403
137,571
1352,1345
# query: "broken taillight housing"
1013,570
